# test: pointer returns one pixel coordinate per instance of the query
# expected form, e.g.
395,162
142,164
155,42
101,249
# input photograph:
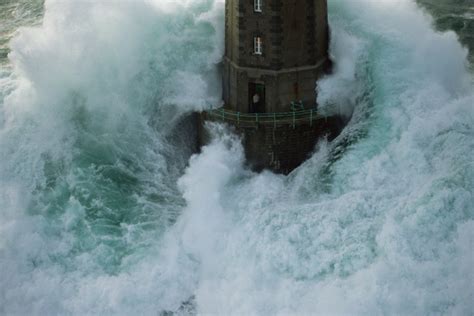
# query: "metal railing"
254,119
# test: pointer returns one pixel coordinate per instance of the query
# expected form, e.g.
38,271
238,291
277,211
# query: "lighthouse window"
257,5
257,45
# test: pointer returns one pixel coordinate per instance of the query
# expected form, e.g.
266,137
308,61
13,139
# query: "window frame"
257,45
257,6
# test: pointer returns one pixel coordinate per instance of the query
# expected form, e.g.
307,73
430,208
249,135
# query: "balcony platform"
276,141
254,120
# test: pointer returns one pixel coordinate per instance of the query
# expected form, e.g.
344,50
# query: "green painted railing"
254,119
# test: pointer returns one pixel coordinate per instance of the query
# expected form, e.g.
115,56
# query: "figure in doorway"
255,102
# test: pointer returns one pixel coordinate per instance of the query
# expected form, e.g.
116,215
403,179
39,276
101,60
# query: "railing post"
223,115
274,120
311,118
238,118
294,114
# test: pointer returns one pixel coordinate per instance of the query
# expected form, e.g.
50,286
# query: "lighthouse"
275,51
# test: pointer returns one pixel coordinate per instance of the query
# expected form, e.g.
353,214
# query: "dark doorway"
256,97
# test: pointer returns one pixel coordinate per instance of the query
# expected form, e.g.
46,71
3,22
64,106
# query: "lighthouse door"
256,97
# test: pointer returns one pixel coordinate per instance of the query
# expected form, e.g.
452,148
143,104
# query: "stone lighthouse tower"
275,50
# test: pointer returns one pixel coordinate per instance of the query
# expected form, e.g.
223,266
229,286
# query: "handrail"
275,118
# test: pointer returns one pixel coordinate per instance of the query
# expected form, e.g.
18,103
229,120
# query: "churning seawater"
103,210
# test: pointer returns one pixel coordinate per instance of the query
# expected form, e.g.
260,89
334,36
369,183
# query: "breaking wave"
105,210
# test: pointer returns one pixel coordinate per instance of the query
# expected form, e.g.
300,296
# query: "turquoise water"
104,211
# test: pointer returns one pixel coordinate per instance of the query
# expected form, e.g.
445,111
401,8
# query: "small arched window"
257,5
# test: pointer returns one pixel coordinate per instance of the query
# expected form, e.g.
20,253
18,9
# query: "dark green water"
103,212
456,15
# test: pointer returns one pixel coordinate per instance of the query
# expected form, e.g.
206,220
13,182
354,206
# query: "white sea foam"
393,233
95,220
88,177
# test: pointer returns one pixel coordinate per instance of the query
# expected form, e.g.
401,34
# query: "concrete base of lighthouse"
281,145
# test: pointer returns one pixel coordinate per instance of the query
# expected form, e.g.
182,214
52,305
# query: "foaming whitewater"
101,215
91,146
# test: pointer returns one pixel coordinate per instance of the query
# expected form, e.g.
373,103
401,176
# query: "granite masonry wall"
279,149
294,54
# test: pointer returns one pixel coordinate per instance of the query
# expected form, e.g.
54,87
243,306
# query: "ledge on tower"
278,141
